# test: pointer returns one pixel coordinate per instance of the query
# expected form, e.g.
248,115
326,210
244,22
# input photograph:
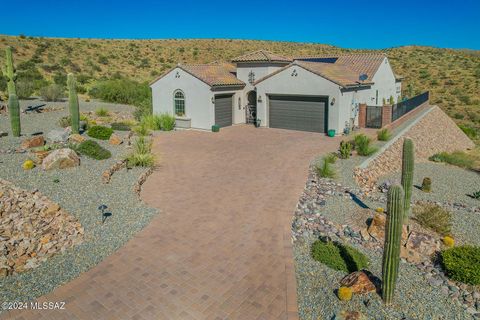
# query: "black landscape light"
105,215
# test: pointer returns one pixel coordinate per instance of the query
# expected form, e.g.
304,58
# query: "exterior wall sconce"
259,99
213,99
332,102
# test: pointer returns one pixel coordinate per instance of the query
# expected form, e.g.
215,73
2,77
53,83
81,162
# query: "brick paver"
220,248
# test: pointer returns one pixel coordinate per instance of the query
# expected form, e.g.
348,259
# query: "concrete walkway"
221,248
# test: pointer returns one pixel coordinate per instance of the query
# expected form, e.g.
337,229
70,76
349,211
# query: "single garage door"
298,113
223,110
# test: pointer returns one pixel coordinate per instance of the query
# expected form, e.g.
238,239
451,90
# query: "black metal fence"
406,106
374,117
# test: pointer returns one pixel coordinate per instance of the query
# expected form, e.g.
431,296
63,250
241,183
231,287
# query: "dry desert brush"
433,217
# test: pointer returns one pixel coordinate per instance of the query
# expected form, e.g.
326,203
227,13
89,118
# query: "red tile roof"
215,75
361,63
261,56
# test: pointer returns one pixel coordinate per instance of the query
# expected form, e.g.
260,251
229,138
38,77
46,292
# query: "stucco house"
316,94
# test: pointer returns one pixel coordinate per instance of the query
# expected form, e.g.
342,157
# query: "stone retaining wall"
433,132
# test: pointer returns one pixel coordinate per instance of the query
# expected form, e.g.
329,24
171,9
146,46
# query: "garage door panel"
223,110
298,113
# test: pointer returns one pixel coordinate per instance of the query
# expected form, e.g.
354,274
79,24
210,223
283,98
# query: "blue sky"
347,23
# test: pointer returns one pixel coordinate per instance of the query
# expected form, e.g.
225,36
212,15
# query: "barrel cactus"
9,71
427,184
73,103
407,175
393,238
14,113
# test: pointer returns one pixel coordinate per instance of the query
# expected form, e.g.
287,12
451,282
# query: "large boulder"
36,141
360,282
61,159
419,247
59,135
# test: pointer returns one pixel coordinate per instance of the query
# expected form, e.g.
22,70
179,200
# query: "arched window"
179,103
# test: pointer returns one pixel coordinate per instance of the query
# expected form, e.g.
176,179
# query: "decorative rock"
59,135
36,141
349,315
115,139
61,159
33,229
419,247
359,282
76,138
377,226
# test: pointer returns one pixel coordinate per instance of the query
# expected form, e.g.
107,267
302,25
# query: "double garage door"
303,113
223,110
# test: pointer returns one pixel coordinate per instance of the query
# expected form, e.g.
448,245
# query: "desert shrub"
324,168
141,155
60,78
100,132
121,126
457,158
462,264
345,149
434,217
93,150
383,135
167,122
338,256
469,131
66,120
121,91
102,112
141,130
151,122
362,145
330,157
53,92
25,89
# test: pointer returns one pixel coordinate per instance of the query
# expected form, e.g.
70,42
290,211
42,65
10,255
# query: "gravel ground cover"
415,298
79,191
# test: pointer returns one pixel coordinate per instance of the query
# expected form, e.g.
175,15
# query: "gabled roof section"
361,63
338,74
261,56
215,75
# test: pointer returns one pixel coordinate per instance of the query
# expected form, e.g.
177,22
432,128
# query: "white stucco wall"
198,105
385,83
305,83
260,70
198,99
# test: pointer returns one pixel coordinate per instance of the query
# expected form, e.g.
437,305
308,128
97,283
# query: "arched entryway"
251,109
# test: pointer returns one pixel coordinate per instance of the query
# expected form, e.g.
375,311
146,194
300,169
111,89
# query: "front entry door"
251,109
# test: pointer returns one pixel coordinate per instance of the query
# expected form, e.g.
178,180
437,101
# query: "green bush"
151,122
362,145
345,149
121,91
462,264
457,158
167,122
100,132
121,126
434,217
25,89
330,157
469,131
383,135
324,168
338,256
141,155
93,150
53,92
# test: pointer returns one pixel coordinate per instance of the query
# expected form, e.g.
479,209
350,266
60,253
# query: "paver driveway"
220,249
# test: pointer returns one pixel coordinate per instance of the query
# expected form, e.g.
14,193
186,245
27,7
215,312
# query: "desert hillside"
452,76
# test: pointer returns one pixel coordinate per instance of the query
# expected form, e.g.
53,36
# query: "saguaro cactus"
14,113
407,175
393,238
9,71
73,103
